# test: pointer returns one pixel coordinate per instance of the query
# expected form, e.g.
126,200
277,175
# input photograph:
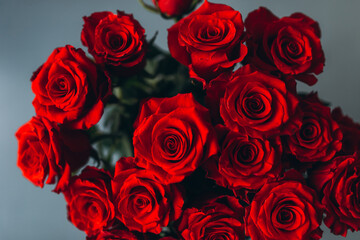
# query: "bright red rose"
89,200
284,209
173,136
289,45
142,202
221,218
46,151
69,90
116,40
260,103
245,162
319,137
208,41
114,234
339,182
173,8
350,130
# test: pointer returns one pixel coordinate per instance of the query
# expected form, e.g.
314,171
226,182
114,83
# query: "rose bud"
48,151
173,8
89,200
287,46
209,41
173,137
69,89
284,209
116,40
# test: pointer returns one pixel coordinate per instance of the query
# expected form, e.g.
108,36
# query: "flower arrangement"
209,141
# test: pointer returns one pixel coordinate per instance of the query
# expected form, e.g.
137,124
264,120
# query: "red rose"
114,234
173,136
286,209
89,200
339,182
208,41
173,8
319,137
350,130
221,218
69,90
260,103
245,162
142,202
46,151
289,45
115,39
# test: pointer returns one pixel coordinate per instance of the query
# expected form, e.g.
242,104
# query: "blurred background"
31,29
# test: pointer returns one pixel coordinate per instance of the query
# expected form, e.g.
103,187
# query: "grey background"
31,29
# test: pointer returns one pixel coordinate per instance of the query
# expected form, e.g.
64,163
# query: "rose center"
293,48
246,154
309,131
284,216
115,42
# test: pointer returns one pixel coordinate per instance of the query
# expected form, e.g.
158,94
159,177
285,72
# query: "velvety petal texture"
208,41
46,152
173,136
116,40
142,202
69,89
221,218
245,162
89,200
284,209
339,184
289,45
319,136
260,103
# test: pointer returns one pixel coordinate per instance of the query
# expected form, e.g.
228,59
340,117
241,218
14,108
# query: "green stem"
148,7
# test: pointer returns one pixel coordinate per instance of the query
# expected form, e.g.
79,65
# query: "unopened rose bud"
173,8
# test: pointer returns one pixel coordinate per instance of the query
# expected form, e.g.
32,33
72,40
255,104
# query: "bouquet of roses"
211,141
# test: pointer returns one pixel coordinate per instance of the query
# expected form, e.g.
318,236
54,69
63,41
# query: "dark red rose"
114,234
173,136
221,218
289,45
260,103
208,41
339,182
142,202
173,8
284,209
116,40
350,130
245,162
168,238
45,151
319,137
89,200
69,90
